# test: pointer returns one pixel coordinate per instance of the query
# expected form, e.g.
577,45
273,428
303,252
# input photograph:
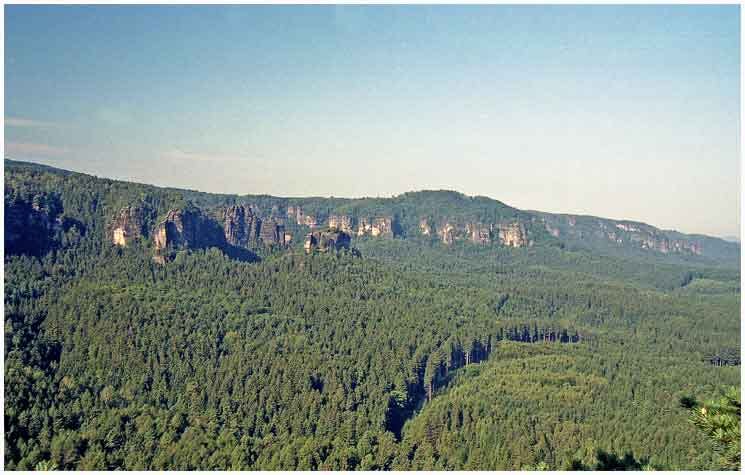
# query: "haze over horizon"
619,112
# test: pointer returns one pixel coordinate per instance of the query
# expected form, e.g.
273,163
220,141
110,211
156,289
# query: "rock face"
424,227
272,232
127,226
240,225
324,241
447,233
341,223
243,227
478,233
513,235
301,218
376,227
650,238
185,229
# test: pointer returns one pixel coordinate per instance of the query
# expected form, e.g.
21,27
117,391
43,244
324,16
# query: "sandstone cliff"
301,219
447,233
341,222
424,227
478,233
324,241
241,225
272,232
513,234
127,225
185,229
376,227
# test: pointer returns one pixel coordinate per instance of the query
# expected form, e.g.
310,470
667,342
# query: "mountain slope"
153,329
444,216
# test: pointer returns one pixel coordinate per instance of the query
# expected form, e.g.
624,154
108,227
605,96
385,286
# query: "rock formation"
478,233
127,225
185,228
650,238
513,235
244,228
341,222
380,226
424,227
272,232
301,218
324,241
447,233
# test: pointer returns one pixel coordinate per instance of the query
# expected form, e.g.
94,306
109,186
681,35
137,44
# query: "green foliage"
719,420
416,356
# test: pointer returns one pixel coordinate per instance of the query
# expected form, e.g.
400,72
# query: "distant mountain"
172,219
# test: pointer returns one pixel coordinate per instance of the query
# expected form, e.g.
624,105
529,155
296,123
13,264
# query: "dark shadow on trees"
611,462
241,254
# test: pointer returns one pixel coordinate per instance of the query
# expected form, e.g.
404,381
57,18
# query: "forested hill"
150,329
428,217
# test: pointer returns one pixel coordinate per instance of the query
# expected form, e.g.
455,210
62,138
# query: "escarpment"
328,240
424,227
301,219
185,229
379,226
447,233
513,234
128,224
478,233
241,225
272,232
237,226
341,222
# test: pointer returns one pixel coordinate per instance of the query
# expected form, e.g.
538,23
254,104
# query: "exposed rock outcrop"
478,233
127,226
650,238
424,227
272,232
244,228
341,223
513,234
324,241
241,225
447,233
376,227
301,218
185,229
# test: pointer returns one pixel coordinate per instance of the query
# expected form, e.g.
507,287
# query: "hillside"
152,329
429,216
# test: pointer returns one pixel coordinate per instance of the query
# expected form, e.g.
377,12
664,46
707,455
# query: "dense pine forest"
409,350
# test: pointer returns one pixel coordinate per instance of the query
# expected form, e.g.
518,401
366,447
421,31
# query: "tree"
719,420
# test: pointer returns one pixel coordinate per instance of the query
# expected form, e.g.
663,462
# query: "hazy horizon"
622,112
280,195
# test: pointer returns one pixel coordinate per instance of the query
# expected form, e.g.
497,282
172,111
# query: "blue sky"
617,111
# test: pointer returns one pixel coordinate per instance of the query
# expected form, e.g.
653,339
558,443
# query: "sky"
626,112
